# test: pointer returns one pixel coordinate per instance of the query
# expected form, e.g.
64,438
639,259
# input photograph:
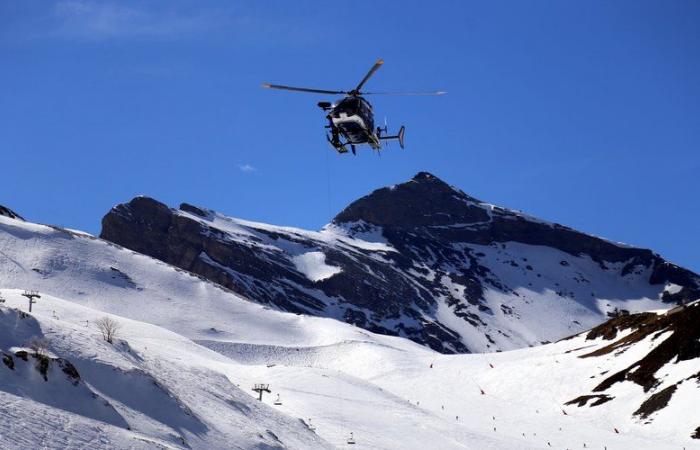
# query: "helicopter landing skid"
339,146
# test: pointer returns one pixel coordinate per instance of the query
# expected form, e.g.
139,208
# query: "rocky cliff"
419,259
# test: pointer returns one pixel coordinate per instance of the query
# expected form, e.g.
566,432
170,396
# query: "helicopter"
351,119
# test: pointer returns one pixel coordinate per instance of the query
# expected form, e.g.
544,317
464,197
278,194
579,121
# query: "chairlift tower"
31,296
260,388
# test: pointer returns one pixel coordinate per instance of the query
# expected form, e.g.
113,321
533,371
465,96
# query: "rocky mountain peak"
152,218
425,200
419,259
426,177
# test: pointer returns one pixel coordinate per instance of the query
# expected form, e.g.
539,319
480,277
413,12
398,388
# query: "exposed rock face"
682,343
7,212
421,260
661,341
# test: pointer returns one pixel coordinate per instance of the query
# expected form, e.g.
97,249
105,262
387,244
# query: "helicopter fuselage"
353,118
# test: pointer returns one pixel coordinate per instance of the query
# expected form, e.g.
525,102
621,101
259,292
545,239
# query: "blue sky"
583,113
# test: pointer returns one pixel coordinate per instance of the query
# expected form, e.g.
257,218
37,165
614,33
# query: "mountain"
180,370
421,260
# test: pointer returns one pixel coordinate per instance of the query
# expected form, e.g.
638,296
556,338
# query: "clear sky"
585,113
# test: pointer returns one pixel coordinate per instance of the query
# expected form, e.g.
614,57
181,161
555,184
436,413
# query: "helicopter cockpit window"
348,105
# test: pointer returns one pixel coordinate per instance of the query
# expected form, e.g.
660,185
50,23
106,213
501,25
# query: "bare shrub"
39,346
109,328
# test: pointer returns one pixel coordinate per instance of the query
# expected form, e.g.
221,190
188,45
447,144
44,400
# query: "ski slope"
188,352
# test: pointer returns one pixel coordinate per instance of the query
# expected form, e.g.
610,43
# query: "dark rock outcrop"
656,402
420,259
7,212
595,400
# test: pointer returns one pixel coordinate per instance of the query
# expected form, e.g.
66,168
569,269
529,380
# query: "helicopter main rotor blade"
405,93
374,68
300,89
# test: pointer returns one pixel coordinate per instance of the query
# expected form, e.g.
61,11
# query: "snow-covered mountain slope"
420,260
151,389
185,379
100,275
98,278
180,372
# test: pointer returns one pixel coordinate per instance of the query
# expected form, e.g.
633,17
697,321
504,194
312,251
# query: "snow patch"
672,288
313,265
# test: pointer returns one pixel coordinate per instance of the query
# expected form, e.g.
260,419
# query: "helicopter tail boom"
398,136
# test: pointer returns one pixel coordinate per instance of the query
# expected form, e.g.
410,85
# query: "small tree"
39,346
109,328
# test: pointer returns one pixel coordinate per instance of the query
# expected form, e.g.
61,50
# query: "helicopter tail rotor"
399,136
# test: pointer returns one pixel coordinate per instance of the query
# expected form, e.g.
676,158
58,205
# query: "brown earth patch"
609,329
